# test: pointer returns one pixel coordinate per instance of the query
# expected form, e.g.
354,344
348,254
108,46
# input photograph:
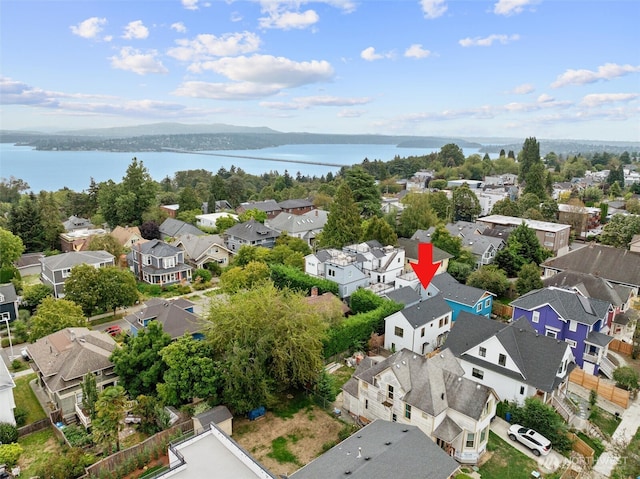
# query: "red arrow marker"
425,268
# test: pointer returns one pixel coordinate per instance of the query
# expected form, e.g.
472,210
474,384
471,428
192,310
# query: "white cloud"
207,46
511,7
90,28
597,99
135,30
225,91
433,8
604,72
416,51
544,98
303,103
349,113
190,4
370,54
134,60
290,20
179,27
488,41
523,89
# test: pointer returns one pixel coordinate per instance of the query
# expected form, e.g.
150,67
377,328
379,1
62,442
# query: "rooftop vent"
388,443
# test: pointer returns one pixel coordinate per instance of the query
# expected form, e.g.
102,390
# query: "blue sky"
505,68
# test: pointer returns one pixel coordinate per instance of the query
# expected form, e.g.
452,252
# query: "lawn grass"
281,453
607,422
26,399
39,448
290,404
341,376
506,461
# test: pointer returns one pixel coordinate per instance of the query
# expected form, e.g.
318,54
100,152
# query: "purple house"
571,317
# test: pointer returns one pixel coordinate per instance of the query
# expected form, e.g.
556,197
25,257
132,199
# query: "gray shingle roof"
523,345
568,304
382,450
267,206
172,315
251,230
447,430
592,286
405,295
173,227
410,247
599,339
454,291
73,258
295,203
214,415
614,264
426,311
8,292
157,248
295,224
195,246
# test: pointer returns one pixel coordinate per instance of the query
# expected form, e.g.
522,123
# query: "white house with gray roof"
429,393
382,450
7,401
173,228
460,297
56,269
420,328
512,358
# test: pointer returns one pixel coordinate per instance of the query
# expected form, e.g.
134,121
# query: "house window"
551,333
487,408
535,317
550,235
482,352
5,316
422,333
573,325
521,390
571,343
483,434
477,373
502,359
398,331
169,263
331,272
366,404
390,391
1,298
441,322
407,411
487,302
479,307
394,418
146,260
66,273
471,439
549,244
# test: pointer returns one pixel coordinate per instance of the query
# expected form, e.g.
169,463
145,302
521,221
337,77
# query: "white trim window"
535,317
572,344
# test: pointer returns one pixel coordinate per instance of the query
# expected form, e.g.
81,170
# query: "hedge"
357,329
292,278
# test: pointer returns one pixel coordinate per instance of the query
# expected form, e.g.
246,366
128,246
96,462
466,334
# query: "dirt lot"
305,434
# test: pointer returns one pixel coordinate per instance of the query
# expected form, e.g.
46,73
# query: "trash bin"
507,416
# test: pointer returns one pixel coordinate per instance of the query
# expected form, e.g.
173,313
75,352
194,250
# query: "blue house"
571,317
176,317
8,302
461,297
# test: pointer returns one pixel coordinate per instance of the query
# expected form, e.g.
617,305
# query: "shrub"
21,416
77,436
10,453
8,433
292,278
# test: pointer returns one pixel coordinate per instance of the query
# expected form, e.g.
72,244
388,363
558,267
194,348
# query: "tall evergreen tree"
25,221
344,225
365,192
532,171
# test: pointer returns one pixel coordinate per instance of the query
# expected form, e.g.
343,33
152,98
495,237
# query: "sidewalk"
630,421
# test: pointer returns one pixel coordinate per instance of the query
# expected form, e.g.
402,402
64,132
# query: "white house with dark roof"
421,328
432,394
63,358
7,401
573,318
56,269
552,236
157,262
250,233
200,250
512,359
382,450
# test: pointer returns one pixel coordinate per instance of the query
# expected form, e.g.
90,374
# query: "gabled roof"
449,287
425,311
172,315
75,222
251,230
215,415
66,356
6,380
172,227
157,248
123,235
591,286
478,243
613,264
568,304
410,247
268,206
295,203
382,450
295,224
520,340
8,293
73,258
196,246
405,295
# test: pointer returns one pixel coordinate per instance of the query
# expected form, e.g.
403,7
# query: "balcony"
592,358
85,419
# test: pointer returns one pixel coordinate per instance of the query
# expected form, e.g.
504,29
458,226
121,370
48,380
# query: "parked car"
113,330
535,441
25,354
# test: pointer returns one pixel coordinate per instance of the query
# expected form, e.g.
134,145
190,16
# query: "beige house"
200,250
127,236
553,236
219,415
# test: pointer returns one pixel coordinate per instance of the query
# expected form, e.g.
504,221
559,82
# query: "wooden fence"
34,426
608,391
620,347
582,448
503,310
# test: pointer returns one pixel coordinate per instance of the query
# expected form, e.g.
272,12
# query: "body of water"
53,170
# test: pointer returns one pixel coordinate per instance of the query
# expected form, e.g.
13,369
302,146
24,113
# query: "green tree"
523,247
528,278
616,175
489,278
11,248
620,230
441,238
506,207
343,226
528,201
417,214
377,228
543,418
188,200
32,295
250,214
365,192
110,410
529,156
55,314
50,220
153,417
295,244
138,362
89,394
224,223
106,243
549,210
191,372
25,221
451,155
626,377
466,206
615,191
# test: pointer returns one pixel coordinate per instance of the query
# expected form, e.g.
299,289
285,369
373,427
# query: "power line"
261,158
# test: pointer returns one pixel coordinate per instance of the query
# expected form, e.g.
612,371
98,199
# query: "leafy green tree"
246,254
615,191
543,418
451,155
188,200
549,210
616,175
238,278
417,214
110,410
528,201
295,244
365,192
191,372
138,362
620,230
55,314
11,248
528,278
32,295
89,394
50,220
530,155
252,213
466,206
106,243
10,453
626,377
284,255
25,221
201,275
364,300
224,223
377,228
441,238
150,230
490,278
523,247
506,207
343,226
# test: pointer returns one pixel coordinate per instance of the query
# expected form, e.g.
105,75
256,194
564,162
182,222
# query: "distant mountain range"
218,136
